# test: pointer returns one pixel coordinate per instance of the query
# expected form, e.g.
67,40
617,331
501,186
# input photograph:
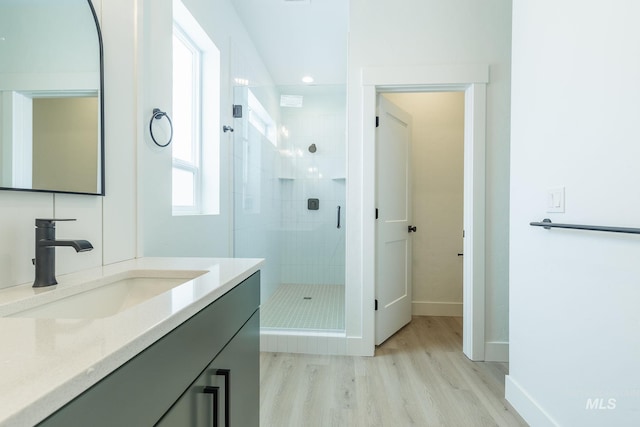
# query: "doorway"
434,192
472,80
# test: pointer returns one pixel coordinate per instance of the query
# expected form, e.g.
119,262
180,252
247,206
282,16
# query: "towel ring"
157,115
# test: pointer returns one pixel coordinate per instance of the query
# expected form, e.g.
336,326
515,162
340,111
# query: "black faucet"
45,260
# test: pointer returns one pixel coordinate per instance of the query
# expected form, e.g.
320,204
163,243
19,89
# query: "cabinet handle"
214,392
226,373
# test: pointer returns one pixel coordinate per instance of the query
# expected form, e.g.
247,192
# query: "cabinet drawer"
140,391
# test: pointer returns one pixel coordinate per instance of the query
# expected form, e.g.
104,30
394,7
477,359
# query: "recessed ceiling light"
307,79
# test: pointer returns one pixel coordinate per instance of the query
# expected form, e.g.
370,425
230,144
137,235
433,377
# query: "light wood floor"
419,377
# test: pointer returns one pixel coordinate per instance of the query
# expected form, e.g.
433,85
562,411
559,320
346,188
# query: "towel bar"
547,224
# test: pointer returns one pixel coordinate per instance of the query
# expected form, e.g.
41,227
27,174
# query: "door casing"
472,80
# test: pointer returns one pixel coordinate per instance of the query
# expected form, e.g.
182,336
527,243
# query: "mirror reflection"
50,97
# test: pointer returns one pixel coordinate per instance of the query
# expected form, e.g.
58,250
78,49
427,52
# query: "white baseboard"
496,351
357,346
526,406
430,308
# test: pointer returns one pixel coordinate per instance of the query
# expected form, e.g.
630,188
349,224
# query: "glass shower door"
289,200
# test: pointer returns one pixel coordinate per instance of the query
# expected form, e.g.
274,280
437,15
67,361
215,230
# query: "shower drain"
306,297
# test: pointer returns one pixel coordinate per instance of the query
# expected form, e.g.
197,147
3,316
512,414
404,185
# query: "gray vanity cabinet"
224,393
174,382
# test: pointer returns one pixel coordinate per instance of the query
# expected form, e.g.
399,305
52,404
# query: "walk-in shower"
289,201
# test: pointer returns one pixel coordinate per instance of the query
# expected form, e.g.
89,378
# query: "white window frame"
207,188
194,166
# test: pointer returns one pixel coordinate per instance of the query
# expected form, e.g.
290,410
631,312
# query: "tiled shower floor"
316,307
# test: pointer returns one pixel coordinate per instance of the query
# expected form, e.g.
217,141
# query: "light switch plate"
555,200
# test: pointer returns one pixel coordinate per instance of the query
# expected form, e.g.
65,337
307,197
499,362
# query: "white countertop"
45,363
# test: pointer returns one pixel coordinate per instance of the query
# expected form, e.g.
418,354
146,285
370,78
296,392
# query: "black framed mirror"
51,97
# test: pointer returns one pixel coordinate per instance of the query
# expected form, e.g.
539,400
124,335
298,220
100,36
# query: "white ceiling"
299,37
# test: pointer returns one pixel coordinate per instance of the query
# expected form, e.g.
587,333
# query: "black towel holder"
157,115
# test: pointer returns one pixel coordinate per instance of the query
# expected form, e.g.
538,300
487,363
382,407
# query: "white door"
394,216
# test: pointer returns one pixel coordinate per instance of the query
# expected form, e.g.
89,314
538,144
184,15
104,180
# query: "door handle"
226,373
460,254
213,391
412,229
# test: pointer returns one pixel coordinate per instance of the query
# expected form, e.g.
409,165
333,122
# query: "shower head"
312,148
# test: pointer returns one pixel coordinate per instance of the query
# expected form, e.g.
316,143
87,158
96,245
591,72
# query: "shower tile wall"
313,248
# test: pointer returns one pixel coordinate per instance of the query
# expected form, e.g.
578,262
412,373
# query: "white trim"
472,80
420,76
183,35
496,351
368,220
19,139
473,324
527,406
304,342
357,346
190,25
207,150
433,308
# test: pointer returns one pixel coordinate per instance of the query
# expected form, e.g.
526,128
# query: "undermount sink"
107,296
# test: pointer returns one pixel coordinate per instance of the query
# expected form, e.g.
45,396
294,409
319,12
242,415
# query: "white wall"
574,295
119,221
386,33
195,235
161,233
437,154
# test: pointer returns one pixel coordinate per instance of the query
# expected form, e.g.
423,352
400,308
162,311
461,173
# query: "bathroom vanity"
180,357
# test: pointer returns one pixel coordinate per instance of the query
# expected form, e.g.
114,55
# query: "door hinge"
377,121
376,305
376,213
463,234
